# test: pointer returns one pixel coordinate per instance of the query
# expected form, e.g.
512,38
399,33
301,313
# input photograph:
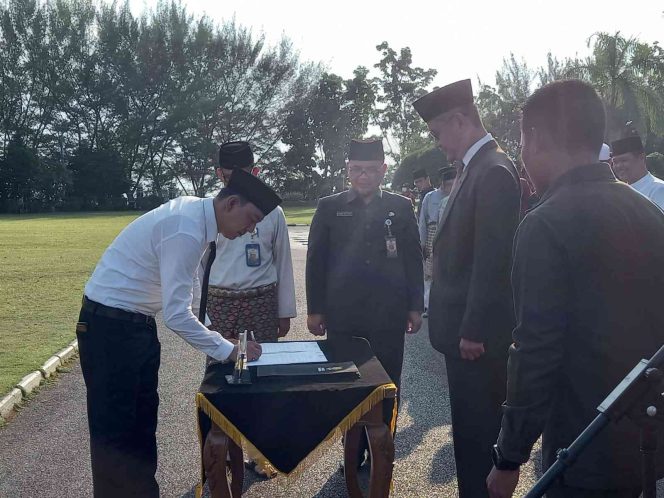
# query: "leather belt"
114,313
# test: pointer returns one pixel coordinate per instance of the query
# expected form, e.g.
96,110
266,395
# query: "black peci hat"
233,155
366,150
420,173
254,190
627,144
444,99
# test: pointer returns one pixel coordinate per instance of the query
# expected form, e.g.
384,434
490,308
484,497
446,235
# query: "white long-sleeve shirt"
152,266
231,271
652,188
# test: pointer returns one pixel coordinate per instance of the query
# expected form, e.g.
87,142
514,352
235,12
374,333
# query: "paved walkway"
44,451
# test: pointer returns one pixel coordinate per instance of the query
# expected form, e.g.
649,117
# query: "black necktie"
206,281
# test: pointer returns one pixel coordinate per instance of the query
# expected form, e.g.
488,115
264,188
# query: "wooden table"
226,477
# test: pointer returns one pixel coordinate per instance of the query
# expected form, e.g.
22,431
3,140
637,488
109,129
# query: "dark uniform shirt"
588,282
350,278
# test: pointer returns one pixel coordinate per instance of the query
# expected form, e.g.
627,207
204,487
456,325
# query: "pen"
252,336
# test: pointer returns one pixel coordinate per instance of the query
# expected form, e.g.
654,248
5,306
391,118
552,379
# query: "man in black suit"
364,263
588,279
470,307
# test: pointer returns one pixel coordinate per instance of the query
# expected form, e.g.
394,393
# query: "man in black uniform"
470,306
588,279
364,262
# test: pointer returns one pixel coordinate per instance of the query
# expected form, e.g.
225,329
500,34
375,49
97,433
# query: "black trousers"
388,346
477,391
120,363
568,492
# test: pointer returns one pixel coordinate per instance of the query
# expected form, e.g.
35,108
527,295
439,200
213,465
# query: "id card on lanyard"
252,251
390,241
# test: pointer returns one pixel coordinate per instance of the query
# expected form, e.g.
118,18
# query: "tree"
320,127
429,158
19,172
500,105
399,85
619,69
99,179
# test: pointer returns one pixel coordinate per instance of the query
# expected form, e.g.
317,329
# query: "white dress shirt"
474,149
230,269
652,188
152,266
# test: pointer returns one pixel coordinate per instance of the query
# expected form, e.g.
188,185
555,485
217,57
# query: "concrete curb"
33,380
51,366
30,382
297,224
8,403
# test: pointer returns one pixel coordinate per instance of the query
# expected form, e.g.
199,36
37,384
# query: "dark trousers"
477,391
388,346
120,363
568,492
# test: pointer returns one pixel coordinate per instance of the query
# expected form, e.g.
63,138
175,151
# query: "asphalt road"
44,451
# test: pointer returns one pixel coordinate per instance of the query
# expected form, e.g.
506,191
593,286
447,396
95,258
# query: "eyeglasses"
369,170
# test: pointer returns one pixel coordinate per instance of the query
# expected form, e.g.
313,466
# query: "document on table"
289,353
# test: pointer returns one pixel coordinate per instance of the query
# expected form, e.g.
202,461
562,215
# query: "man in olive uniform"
364,263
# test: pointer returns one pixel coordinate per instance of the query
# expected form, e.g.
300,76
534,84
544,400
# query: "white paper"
289,353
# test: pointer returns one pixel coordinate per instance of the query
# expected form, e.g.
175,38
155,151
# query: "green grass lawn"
45,261
299,214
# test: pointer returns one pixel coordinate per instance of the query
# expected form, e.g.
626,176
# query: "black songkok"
254,190
444,99
234,155
366,150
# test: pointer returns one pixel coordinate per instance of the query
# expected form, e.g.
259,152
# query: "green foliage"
628,76
429,158
500,106
400,83
99,180
320,128
161,91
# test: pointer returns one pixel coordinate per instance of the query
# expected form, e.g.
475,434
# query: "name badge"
390,241
391,247
252,253
344,214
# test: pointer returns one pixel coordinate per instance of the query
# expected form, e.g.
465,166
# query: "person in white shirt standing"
252,286
629,165
152,266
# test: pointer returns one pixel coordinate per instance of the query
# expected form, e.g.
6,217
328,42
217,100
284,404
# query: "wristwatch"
499,461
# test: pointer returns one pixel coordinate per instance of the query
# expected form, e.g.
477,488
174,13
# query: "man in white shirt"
251,283
151,266
252,286
629,165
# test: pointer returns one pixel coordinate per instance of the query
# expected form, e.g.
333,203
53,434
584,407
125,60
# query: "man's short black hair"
570,111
